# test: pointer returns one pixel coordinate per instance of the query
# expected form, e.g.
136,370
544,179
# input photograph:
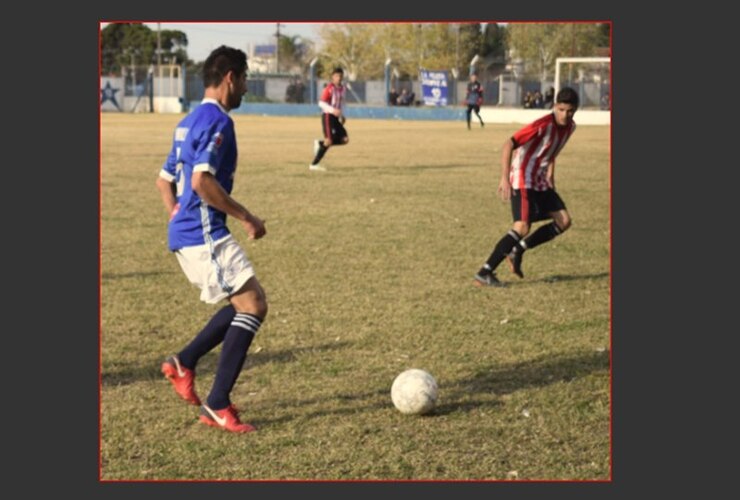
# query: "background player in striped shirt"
528,180
332,119
195,183
474,98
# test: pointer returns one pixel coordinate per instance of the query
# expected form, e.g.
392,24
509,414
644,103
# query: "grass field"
368,270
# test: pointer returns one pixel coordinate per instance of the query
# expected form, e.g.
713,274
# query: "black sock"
542,235
208,338
502,249
233,354
320,154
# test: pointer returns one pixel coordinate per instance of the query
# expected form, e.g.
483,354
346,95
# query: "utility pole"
159,47
159,55
277,48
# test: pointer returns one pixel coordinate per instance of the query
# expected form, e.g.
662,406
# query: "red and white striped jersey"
537,145
333,95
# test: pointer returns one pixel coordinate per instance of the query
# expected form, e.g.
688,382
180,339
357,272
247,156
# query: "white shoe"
316,168
316,147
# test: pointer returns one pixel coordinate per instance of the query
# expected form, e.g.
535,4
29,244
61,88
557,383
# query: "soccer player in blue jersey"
195,183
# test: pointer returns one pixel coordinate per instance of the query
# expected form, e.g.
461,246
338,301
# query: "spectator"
393,97
538,101
549,96
405,98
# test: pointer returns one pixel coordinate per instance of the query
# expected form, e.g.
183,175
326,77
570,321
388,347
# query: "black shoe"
487,279
515,261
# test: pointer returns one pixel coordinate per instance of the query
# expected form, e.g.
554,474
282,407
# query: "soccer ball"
414,392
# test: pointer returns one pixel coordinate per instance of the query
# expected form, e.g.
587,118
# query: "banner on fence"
434,87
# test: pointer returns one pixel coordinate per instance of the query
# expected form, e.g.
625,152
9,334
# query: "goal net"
589,76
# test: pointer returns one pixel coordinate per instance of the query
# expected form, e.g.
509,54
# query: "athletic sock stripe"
514,234
247,322
243,326
250,318
556,228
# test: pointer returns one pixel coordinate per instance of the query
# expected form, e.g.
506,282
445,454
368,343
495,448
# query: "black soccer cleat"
515,261
487,279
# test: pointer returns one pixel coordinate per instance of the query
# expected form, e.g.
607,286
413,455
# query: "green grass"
368,270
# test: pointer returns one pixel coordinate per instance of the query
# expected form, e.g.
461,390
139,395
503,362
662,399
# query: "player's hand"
551,182
337,113
174,211
342,119
479,102
255,227
504,189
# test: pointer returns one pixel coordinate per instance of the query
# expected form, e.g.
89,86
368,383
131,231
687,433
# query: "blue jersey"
204,141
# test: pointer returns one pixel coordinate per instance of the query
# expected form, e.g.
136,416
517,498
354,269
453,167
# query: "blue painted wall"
385,113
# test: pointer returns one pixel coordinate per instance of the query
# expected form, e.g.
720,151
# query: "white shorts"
219,269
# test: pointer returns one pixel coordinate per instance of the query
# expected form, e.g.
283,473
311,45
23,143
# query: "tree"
127,44
540,44
363,48
174,46
294,53
471,45
494,41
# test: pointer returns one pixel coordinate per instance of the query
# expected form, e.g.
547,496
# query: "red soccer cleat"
226,419
182,379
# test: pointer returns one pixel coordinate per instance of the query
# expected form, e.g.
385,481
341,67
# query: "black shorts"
472,107
532,206
333,128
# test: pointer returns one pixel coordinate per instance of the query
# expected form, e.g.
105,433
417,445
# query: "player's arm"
210,191
167,191
166,183
551,174
480,95
504,186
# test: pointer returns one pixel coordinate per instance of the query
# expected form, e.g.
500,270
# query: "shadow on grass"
140,274
555,278
493,382
505,379
401,170
149,369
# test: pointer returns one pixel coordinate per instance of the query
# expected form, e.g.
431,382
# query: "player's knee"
345,140
564,222
522,228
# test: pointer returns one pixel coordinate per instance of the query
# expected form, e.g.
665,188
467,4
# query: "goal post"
590,76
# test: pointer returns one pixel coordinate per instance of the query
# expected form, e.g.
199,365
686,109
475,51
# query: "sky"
204,37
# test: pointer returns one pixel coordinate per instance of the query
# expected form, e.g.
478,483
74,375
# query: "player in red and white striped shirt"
528,180
332,119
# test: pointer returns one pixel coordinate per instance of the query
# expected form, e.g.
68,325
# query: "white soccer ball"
414,392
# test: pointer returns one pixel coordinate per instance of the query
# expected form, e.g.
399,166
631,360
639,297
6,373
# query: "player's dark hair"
338,70
567,95
220,62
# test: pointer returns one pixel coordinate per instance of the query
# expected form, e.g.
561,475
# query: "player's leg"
560,223
180,368
553,206
320,148
467,114
250,304
477,112
340,137
520,212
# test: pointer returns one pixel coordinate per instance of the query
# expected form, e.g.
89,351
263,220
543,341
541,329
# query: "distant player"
332,119
195,183
528,180
474,98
